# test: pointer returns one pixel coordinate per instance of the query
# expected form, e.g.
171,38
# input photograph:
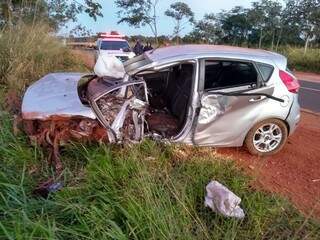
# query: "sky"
165,24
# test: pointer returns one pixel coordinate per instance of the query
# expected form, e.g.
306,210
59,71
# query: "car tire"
267,137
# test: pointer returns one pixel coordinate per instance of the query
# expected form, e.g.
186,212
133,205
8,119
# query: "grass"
29,52
310,62
145,191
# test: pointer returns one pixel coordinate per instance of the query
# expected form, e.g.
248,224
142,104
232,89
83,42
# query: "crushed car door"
232,99
120,107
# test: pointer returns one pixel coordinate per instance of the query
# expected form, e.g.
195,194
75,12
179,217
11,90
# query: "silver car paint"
55,94
226,123
222,131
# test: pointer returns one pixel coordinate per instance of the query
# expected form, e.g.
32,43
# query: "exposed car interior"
169,92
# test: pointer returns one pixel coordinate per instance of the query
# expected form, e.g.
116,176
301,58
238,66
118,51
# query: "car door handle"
257,99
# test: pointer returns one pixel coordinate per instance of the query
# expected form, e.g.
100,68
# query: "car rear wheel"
267,137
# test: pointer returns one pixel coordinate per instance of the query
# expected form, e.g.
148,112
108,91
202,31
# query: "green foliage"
297,60
180,11
138,13
265,24
29,52
146,191
52,12
207,30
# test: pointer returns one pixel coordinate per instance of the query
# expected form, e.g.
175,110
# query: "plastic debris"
47,187
221,200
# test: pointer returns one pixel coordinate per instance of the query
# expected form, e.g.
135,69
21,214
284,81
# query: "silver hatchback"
194,94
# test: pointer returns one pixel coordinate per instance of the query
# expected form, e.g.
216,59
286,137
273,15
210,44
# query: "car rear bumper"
294,115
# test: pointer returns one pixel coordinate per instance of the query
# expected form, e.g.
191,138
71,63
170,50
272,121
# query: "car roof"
173,53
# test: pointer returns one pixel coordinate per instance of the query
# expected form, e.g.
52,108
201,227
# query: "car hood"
117,53
55,95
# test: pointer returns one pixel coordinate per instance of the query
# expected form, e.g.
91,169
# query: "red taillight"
291,83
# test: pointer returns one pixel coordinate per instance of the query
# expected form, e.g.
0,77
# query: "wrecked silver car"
194,94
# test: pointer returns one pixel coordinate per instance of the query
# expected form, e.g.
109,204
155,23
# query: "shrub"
29,52
309,62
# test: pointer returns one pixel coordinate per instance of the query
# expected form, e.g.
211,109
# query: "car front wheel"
267,137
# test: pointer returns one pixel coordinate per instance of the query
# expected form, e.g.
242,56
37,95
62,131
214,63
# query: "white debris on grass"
221,200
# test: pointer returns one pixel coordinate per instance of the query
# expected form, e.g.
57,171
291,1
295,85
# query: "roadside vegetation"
145,191
28,52
297,60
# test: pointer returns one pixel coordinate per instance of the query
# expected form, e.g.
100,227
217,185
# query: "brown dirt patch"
294,172
312,77
87,56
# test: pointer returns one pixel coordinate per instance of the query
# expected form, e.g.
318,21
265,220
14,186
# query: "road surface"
309,95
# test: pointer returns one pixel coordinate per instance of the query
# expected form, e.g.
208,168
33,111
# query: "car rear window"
265,70
227,74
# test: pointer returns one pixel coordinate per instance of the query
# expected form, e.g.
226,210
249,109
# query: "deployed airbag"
109,66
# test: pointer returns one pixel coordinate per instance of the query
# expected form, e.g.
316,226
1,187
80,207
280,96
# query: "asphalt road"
309,95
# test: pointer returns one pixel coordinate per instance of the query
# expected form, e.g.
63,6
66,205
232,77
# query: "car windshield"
113,45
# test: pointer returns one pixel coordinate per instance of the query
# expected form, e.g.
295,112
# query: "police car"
113,44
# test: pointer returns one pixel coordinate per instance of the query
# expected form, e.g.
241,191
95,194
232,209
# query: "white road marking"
311,89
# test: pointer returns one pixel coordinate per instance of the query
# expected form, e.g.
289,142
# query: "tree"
182,14
55,12
235,25
306,15
139,13
207,30
265,19
80,31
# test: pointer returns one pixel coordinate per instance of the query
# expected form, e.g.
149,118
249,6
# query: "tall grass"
147,191
310,62
29,52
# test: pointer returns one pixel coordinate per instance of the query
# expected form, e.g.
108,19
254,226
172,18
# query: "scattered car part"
221,200
44,189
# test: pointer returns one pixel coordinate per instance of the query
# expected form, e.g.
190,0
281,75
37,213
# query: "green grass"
145,191
310,62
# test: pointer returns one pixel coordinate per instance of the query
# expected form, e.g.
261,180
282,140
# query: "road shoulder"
306,76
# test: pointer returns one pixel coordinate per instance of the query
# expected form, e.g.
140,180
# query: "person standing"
147,47
138,48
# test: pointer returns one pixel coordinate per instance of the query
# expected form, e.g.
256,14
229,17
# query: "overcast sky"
166,24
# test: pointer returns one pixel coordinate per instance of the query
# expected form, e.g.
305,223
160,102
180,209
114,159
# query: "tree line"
265,24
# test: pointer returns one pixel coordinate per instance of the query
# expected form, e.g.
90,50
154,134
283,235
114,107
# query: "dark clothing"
147,48
138,49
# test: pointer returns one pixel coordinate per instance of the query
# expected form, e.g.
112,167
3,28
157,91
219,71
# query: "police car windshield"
114,45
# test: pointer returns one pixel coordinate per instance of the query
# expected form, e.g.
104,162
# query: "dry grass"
29,52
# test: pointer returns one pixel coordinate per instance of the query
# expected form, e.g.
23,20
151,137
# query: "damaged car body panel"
55,95
193,94
120,107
